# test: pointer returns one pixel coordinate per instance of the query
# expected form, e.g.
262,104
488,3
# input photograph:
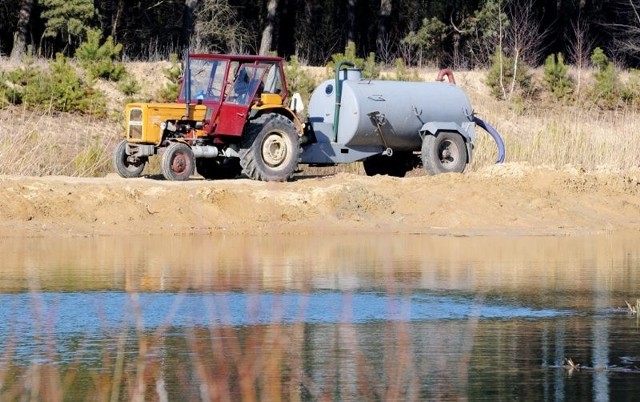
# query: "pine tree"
556,76
68,19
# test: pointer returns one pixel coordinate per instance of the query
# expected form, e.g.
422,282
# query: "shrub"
508,79
100,60
556,77
606,91
9,94
402,73
371,69
60,89
15,83
64,87
631,91
298,80
4,91
348,55
129,86
68,93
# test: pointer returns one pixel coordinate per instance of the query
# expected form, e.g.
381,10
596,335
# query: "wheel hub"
448,152
274,150
179,163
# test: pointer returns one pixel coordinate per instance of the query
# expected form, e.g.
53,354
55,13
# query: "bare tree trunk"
635,11
526,33
351,22
383,23
20,38
116,19
267,33
516,60
500,54
579,49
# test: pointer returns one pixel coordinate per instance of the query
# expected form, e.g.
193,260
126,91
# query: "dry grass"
36,143
557,135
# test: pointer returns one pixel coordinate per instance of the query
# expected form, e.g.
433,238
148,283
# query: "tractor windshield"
207,78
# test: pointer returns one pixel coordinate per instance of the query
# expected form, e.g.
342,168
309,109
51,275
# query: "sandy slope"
511,198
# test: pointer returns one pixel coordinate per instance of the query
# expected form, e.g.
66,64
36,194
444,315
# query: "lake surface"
333,317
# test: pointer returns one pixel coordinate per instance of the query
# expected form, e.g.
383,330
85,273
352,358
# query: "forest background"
458,34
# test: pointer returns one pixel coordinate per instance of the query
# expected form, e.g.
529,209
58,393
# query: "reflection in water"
513,265
342,317
90,315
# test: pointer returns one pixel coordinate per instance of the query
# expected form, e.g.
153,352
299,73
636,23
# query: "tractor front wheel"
126,165
445,152
270,148
178,162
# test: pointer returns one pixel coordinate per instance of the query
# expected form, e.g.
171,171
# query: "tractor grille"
135,124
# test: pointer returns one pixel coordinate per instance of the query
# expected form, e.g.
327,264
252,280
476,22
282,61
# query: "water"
358,317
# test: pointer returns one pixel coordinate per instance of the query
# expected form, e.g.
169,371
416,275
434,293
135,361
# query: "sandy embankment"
506,199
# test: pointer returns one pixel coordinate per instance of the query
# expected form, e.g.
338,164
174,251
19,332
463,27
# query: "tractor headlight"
135,124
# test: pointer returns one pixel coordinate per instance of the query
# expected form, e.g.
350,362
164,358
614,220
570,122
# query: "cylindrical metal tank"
397,109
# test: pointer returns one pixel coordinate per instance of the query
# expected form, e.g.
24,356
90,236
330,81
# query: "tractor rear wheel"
216,168
126,165
445,152
270,148
178,162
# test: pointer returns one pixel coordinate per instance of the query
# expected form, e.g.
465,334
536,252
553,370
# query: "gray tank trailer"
391,126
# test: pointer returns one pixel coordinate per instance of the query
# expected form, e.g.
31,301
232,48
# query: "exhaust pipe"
187,82
205,151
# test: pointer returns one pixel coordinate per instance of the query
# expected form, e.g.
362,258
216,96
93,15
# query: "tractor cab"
230,87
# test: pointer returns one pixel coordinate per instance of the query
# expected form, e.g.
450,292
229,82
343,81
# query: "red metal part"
446,72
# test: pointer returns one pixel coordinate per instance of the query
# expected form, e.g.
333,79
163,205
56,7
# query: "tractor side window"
273,80
247,83
233,70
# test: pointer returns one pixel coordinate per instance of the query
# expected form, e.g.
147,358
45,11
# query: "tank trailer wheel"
270,148
178,162
127,166
445,152
218,168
